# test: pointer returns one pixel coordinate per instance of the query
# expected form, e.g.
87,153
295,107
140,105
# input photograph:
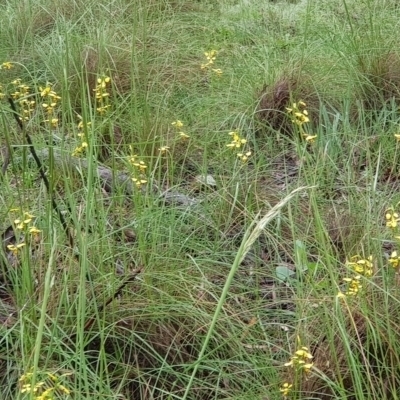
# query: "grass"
184,271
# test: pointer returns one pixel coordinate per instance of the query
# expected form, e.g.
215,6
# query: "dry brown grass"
276,97
369,346
116,61
380,80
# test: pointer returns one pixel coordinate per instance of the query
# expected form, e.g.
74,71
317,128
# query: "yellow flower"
397,136
52,377
163,149
79,150
237,141
307,367
48,394
26,377
244,157
45,389
6,65
394,260
19,224
102,95
34,231
138,175
14,249
26,388
54,96
285,389
392,218
81,124
310,138
45,91
177,124
139,182
183,135
63,389
301,360
299,117
141,165
361,266
354,285
53,122
38,386
210,55
303,353
103,109
218,71
102,82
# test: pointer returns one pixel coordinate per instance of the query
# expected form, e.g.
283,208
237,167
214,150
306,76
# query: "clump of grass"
275,99
273,103
378,77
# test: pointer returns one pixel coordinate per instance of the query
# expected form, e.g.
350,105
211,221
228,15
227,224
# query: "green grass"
234,275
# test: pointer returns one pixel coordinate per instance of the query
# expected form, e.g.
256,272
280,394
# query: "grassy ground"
221,215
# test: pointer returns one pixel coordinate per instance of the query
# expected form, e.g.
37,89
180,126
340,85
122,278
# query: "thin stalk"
249,238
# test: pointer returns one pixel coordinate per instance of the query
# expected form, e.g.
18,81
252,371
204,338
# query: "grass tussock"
381,80
276,98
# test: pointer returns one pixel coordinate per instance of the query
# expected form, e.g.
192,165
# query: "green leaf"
284,273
